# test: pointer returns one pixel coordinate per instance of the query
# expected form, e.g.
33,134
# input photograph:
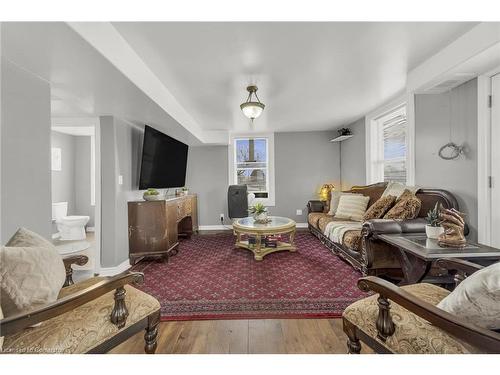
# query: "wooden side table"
418,253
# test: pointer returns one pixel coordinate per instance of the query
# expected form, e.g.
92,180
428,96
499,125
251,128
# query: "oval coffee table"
277,225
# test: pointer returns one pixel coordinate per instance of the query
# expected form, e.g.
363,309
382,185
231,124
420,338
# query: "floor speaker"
237,201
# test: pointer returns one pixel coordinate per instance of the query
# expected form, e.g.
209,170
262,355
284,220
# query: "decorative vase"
433,232
262,217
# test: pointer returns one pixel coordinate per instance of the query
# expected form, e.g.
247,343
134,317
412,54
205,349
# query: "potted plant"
259,212
152,195
433,228
185,190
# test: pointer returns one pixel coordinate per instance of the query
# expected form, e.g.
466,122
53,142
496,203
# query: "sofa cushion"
405,208
32,273
413,334
352,240
379,208
313,218
323,221
83,328
477,298
397,188
352,207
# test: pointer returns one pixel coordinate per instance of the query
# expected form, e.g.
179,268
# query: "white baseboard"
215,227
90,229
111,271
230,227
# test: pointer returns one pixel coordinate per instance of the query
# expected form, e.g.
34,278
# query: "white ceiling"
311,76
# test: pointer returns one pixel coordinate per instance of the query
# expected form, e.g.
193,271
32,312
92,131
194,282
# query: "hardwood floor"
270,336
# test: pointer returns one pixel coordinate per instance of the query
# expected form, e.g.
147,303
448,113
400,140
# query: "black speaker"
237,201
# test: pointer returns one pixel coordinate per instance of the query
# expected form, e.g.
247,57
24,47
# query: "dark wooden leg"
353,344
69,277
150,337
414,268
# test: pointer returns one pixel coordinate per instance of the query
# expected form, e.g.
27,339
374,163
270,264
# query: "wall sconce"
325,192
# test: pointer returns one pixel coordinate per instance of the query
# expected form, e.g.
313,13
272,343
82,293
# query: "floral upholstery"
407,207
413,334
83,328
352,240
323,221
379,208
313,218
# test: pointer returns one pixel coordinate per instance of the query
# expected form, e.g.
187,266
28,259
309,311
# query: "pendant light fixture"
251,108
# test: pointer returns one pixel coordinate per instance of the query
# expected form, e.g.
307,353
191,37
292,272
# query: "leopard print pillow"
404,209
379,208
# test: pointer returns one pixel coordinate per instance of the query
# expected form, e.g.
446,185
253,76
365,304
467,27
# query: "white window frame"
374,144
270,200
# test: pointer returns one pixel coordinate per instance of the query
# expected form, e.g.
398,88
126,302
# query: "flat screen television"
164,161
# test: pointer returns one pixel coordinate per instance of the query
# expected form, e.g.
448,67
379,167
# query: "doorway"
76,189
494,179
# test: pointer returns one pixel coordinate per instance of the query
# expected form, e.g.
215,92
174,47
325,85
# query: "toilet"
70,228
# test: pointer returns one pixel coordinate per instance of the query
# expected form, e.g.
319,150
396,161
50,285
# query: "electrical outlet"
299,212
222,218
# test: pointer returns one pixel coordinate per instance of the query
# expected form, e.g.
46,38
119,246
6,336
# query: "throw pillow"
26,238
334,201
404,209
477,298
397,188
30,275
352,207
379,208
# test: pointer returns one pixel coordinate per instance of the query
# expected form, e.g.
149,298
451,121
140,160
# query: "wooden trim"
484,339
79,260
18,322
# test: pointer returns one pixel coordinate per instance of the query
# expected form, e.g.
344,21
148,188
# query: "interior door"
495,161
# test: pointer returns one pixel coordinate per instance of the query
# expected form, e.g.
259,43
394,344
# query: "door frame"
484,155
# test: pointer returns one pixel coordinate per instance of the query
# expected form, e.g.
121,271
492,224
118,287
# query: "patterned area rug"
210,279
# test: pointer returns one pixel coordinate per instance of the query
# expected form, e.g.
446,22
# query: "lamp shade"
325,192
252,110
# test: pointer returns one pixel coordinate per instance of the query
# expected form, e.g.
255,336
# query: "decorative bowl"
158,197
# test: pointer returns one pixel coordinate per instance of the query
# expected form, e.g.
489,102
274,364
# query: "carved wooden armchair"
88,317
406,319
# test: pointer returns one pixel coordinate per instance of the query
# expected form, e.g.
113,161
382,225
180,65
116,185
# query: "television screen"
164,161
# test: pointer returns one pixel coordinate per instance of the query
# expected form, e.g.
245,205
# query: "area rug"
210,279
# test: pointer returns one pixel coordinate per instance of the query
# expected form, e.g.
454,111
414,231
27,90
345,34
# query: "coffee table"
417,253
277,225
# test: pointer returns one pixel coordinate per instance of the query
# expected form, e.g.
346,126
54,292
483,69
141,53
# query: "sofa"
361,248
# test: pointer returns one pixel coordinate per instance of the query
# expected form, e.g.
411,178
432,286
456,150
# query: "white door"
495,161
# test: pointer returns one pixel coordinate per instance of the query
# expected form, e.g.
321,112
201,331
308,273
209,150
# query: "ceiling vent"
448,84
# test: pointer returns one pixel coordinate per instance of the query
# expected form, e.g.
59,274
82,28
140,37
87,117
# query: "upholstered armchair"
91,316
406,319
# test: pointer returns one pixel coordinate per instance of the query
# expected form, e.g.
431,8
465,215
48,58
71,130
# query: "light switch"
299,212
120,180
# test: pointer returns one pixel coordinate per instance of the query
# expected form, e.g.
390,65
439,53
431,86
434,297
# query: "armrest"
391,226
18,322
484,339
79,260
315,206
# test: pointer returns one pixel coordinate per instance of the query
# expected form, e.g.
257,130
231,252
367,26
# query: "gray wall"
207,176
63,181
353,162
303,162
432,115
25,159
82,179
121,144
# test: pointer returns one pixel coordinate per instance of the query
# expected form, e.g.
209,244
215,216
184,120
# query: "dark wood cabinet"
154,227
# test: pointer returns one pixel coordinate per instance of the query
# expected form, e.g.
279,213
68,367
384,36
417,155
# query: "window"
251,165
387,139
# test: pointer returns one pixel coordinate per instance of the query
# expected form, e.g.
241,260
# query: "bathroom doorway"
75,155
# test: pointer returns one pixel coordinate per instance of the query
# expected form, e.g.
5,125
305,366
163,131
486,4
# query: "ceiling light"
252,109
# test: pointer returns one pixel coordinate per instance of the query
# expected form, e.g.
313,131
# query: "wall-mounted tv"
164,161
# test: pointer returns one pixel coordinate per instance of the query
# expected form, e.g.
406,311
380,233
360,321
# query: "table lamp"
325,192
